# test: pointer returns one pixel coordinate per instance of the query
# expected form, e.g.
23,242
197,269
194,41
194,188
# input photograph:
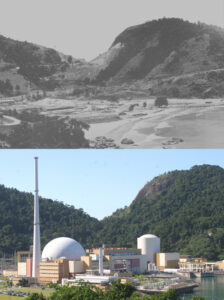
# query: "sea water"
211,288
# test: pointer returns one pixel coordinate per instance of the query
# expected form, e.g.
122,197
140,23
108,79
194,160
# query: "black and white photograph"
112,74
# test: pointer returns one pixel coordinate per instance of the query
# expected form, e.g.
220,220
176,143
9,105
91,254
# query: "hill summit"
172,56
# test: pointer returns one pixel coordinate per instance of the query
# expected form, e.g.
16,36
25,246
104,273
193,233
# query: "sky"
86,28
98,181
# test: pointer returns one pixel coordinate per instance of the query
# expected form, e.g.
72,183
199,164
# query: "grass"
33,290
25,290
8,297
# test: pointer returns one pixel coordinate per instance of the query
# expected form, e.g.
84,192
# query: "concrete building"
220,265
149,245
54,271
135,263
196,267
167,260
121,260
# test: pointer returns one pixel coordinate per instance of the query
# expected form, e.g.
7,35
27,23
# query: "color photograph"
128,222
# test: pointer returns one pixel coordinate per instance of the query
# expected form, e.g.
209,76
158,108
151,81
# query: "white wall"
149,245
76,266
22,269
164,257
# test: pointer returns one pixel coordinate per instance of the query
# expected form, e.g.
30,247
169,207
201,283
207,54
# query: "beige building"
57,269
220,265
200,267
8,273
54,270
80,266
167,260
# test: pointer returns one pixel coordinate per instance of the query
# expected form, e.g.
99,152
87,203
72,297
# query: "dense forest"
184,208
56,219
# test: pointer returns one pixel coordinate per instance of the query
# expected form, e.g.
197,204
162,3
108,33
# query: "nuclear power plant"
64,260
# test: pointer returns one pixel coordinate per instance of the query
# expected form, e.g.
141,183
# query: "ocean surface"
211,288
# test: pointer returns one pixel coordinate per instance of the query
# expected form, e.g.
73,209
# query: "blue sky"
99,181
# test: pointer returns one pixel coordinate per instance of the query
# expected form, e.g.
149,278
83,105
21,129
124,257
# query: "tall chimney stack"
36,227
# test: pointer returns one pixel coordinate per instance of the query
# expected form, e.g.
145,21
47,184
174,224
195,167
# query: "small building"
167,260
196,267
220,265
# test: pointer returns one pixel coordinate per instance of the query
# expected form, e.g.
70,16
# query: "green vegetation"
23,282
46,292
117,291
184,208
39,131
16,222
8,297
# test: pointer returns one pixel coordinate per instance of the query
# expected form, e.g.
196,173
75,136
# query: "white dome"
148,236
63,247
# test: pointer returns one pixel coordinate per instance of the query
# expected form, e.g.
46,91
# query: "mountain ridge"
167,56
184,208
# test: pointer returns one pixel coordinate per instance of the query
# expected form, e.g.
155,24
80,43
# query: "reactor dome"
63,247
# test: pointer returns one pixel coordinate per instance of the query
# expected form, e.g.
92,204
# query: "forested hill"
184,208
170,56
22,63
56,219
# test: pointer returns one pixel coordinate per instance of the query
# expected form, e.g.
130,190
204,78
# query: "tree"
17,88
70,59
23,282
119,290
161,101
36,296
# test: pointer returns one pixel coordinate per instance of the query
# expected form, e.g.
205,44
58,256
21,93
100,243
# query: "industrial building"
65,258
149,245
167,260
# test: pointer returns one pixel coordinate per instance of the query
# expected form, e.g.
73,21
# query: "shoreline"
172,127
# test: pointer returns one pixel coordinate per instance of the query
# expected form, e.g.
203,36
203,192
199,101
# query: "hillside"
25,65
184,208
56,219
171,56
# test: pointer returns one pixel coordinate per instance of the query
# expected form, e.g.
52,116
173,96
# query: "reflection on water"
211,288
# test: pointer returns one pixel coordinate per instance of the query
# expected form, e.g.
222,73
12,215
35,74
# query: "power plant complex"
64,259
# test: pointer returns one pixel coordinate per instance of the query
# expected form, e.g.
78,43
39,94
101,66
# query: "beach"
138,123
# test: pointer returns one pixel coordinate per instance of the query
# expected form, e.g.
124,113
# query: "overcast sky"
86,28
99,181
